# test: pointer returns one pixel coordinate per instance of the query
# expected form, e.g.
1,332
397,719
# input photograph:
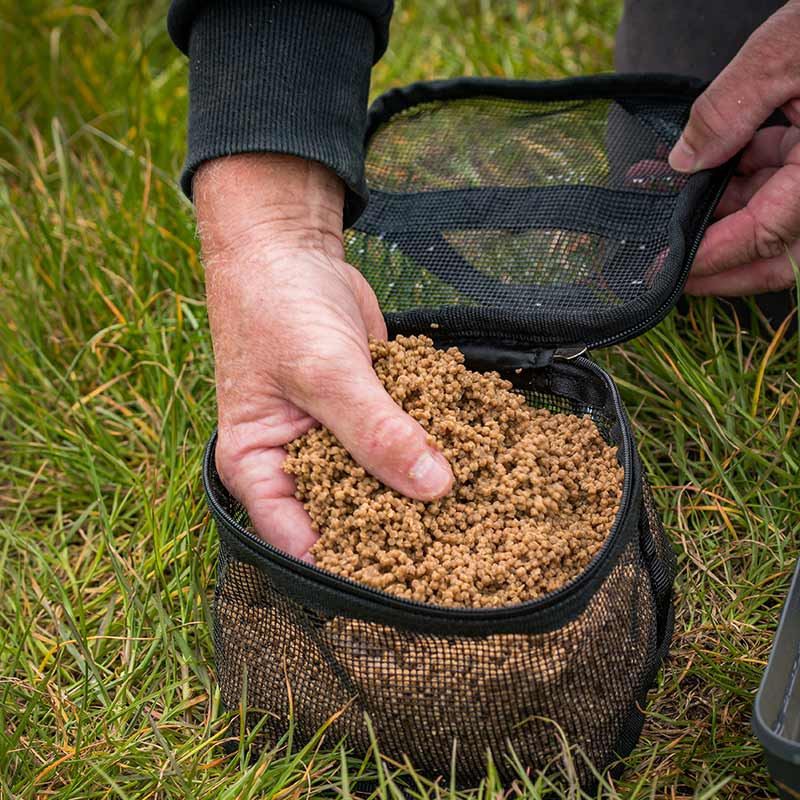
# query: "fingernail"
431,474
682,158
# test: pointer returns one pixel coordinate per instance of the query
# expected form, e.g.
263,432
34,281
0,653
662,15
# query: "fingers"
352,403
740,190
762,77
371,313
284,523
759,231
771,275
769,147
766,153
791,111
257,480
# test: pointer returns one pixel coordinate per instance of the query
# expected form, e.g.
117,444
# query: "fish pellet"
535,494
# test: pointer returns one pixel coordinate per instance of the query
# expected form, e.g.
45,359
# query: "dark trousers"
694,38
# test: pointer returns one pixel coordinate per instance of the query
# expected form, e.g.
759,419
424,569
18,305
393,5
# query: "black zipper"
670,301
265,550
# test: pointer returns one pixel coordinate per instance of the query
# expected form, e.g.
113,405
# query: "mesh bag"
524,223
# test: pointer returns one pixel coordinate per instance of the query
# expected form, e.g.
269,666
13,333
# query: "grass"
106,398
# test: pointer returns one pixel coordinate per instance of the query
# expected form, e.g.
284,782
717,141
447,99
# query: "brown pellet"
535,492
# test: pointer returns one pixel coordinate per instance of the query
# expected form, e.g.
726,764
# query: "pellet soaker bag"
512,228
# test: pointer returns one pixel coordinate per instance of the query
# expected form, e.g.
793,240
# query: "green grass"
106,398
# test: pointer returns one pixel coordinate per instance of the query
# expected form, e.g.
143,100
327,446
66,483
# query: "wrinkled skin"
746,251
290,320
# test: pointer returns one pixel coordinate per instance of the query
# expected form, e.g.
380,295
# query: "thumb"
379,435
727,114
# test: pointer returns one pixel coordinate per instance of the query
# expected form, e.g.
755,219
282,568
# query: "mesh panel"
552,221
587,672
663,549
423,691
486,141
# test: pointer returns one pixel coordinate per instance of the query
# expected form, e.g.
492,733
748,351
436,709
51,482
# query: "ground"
106,399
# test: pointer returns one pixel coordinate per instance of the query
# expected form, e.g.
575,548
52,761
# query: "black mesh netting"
501,693
500,209
521,681
503,217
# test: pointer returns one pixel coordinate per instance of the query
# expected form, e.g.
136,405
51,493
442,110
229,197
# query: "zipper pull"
570,352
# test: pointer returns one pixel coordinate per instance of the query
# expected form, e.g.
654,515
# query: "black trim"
561,207
661,583
660,578
420,221
586,87
535,328
634,722
478,322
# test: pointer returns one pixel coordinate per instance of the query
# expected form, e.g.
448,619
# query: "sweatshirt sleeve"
282,76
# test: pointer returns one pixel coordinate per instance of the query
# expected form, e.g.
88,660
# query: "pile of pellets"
534,498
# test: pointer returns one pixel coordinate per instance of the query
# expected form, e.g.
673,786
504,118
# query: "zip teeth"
570,353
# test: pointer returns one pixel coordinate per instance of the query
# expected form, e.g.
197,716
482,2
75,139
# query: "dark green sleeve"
284,76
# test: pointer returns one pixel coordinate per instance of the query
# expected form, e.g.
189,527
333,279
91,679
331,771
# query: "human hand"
290,320
746,251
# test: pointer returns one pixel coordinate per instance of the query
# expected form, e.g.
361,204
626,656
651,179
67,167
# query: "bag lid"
530,214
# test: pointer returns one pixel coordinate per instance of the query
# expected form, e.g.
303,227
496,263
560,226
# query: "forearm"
285,77
279,201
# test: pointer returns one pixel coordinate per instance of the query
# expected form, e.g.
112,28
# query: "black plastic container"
776,711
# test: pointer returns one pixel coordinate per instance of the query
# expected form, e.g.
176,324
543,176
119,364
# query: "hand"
746,251
290,320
